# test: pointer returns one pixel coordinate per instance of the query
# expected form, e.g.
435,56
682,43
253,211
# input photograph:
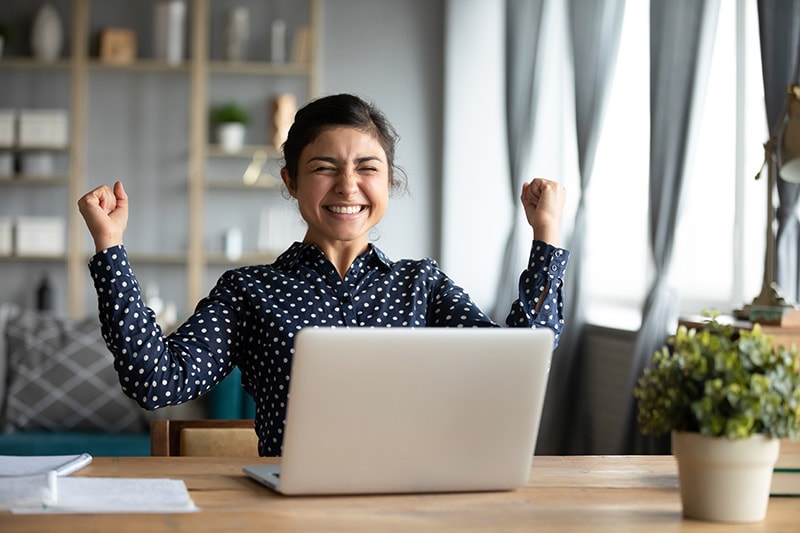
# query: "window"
718,256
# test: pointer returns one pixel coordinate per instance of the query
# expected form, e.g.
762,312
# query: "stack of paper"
115,495
37,485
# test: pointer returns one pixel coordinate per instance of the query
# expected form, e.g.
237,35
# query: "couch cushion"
60,376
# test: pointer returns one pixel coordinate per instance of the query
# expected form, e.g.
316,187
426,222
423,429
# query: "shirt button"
554,268
559,253
346,298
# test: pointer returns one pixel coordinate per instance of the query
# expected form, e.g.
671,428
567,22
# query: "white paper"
23,465
23,491
115,495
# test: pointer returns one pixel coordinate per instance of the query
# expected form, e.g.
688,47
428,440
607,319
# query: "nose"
347,183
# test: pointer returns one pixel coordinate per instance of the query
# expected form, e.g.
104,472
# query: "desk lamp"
781,150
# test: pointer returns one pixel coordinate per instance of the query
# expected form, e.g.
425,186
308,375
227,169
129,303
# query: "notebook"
404,410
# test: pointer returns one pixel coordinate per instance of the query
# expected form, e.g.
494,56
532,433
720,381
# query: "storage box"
6,165
39,236
7,127
42,128
6,235
117,46
37,164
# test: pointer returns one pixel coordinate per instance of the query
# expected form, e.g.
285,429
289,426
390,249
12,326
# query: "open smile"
346,209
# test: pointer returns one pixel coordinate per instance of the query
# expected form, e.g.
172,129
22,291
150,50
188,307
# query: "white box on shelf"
7,127
43,128
6,165
6,236
39,236
37,164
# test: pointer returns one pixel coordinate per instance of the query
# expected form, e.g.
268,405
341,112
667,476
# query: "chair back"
203,437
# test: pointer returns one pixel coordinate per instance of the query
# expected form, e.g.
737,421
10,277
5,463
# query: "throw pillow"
60,376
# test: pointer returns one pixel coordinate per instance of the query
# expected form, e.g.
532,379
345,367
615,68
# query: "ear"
288,182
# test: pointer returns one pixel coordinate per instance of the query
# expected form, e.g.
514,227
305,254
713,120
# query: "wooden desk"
636,493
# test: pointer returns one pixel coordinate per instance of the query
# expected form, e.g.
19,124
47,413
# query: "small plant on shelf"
230,113
230,120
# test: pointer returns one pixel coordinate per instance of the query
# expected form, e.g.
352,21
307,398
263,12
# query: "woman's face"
341,187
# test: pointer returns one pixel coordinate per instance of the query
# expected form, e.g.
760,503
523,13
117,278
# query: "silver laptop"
402,410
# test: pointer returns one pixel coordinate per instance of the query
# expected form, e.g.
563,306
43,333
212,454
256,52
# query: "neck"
341,255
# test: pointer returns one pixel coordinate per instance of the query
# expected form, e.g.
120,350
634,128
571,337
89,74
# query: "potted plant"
727,396
230,120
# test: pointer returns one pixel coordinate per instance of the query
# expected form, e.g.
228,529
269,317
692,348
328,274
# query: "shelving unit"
203,79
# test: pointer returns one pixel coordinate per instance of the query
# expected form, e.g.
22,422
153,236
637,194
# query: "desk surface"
637,493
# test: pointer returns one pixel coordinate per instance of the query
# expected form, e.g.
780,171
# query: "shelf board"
247,151
236,184
24,179
250,258
140,65
34,64
258,67
34,148
172,258
15,258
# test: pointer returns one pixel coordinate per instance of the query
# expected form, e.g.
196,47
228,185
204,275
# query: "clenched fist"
105,211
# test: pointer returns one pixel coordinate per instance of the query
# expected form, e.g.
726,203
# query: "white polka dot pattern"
251,316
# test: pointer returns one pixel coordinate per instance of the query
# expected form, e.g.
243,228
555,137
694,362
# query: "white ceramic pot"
724,480
231,136
46,34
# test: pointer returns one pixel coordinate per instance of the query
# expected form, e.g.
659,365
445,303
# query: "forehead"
346,140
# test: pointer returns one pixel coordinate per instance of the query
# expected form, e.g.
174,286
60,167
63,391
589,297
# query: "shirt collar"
298,251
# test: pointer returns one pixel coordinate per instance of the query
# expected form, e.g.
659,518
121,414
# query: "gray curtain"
779,32
523,26
595,27
681,41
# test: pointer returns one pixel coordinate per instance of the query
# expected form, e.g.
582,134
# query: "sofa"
59,392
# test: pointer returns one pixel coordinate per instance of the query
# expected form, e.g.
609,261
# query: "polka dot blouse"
251,316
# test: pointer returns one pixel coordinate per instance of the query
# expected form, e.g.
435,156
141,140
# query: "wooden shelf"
247,151
196,77
141,65
236,184
34,64
265,69
33,258
26,180
250,258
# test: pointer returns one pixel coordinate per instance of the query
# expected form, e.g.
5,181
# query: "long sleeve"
157,370
539,304
541,290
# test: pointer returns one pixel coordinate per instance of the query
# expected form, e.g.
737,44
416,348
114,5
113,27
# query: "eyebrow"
334,160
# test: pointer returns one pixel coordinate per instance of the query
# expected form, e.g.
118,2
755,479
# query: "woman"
339,167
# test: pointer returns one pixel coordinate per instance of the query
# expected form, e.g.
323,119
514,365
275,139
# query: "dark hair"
341,110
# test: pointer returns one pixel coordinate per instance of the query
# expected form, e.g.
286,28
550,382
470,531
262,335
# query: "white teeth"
345,210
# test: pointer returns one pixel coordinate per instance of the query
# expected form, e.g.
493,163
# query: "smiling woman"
339,166
342,191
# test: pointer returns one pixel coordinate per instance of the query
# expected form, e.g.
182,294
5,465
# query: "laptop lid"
395,410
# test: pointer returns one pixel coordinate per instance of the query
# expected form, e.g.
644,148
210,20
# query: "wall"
390,52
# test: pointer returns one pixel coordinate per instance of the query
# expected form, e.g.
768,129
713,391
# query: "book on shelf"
786,474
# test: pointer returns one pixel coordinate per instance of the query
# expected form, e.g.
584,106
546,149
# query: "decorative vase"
231,136
724,480
170,22
237,34
47,34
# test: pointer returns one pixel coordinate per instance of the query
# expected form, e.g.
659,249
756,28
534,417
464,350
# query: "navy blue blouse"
250,318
